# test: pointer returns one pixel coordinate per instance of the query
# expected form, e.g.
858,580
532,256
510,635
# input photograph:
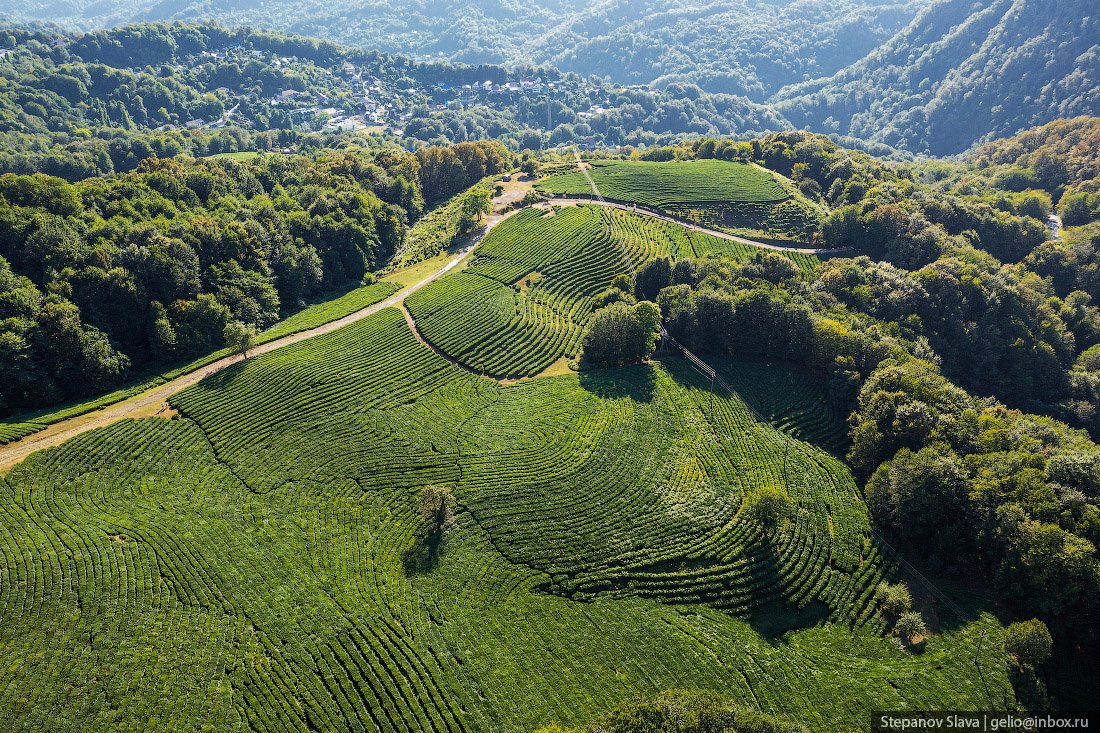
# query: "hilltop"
509,497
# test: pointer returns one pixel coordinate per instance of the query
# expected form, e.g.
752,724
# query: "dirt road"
152,401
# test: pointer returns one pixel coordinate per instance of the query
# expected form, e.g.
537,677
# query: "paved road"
152,401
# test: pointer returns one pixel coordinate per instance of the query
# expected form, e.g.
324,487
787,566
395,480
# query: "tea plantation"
242,567
661,185
742,198
255,563
522,302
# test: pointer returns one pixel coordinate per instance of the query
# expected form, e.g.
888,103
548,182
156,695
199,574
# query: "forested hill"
75,105
962,73
726,46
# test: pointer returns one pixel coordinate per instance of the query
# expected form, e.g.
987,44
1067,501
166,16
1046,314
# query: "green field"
741,198
245,155
242,566
662,185
524,298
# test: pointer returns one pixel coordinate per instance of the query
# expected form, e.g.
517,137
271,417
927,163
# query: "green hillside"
523,300
730,195
660,185
251,558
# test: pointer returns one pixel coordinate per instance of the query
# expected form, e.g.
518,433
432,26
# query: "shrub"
768,505
894,598
239,337
910,625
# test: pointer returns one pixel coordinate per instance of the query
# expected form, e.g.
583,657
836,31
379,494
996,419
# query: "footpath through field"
152,401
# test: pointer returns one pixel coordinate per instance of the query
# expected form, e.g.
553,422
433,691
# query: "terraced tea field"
665,185
739,198
243,566
523,301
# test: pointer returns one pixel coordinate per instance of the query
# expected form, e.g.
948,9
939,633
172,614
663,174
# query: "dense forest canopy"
77,105
962,73
926,77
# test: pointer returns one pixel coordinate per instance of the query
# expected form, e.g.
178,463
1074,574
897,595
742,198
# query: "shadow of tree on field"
423,556
637,382
775,617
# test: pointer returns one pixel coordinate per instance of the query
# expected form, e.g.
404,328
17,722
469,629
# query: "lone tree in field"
768,506
239,337
893,598
437,510
1029,642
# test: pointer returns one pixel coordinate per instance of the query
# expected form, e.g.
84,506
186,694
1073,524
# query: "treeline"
124,272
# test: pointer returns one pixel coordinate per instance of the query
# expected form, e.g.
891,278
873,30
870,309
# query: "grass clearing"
244,155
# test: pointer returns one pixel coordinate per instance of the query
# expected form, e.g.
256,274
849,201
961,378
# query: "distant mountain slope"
963,72
747,47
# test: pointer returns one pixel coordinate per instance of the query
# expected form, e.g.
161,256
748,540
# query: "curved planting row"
258,563
644,498
524,298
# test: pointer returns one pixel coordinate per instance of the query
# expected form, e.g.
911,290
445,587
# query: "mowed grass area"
244,155
242,566
523,300
662,185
